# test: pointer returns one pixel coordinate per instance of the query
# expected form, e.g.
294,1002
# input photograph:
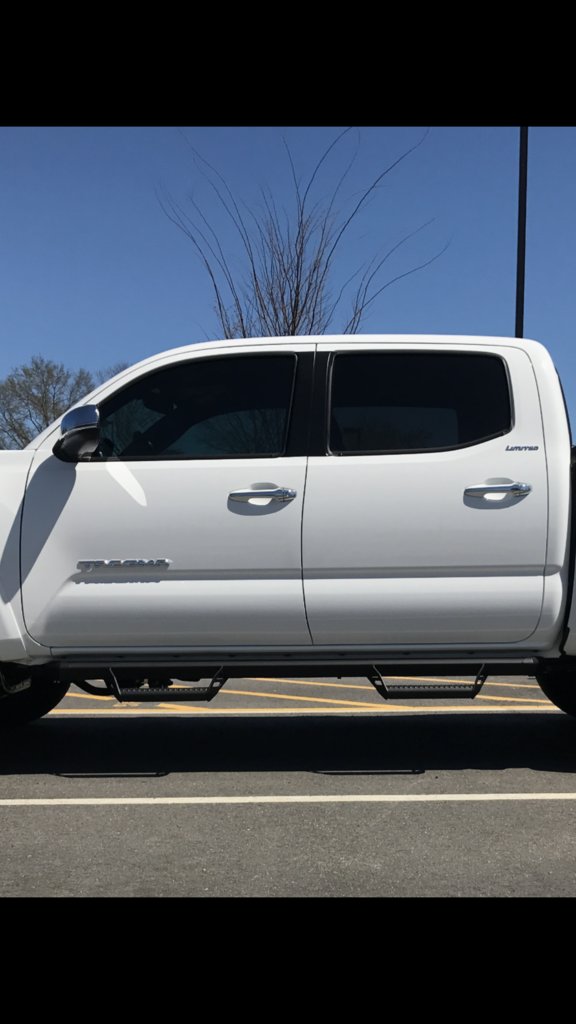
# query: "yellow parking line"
308,682
516,686
348,710
327,700
314,700
87,696
93,696
408,679
243,693
519,700
184,707
340,686
246,693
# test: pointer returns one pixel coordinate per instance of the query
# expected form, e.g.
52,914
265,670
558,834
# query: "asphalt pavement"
293,788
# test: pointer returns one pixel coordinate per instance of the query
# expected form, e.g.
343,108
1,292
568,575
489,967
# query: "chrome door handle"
275,493
517,490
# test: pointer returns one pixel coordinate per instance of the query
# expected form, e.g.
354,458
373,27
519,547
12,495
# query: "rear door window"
416,402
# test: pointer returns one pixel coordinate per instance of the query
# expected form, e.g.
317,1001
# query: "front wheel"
560,688
26,705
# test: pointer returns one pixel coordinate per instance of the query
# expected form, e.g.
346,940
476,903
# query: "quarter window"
205,409
416,402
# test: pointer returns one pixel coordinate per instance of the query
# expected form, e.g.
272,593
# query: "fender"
14,470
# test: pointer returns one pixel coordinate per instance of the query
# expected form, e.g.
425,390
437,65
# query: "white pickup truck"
379,505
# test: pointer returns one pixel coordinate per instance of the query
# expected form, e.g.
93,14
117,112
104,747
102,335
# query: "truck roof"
349,339
534,348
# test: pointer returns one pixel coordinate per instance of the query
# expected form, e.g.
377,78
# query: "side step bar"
439,691
387,690
162,693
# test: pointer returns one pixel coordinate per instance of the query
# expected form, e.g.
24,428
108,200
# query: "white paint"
391,552
123,474
394,554
235,572
14,466
369,798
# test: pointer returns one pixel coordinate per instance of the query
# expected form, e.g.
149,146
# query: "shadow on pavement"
344,745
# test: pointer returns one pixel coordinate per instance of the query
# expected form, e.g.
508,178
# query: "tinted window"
205,409
389,402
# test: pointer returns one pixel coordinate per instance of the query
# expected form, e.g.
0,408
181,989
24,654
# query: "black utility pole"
521,261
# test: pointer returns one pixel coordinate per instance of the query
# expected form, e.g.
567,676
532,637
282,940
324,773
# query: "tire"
560,688
28,705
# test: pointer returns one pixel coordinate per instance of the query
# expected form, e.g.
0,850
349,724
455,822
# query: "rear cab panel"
395,553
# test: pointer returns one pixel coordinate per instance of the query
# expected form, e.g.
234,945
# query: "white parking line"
184,709
369,798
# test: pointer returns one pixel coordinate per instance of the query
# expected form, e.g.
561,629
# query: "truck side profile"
378,505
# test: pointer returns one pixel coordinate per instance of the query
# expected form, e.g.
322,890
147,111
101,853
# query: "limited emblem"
89,564
522,447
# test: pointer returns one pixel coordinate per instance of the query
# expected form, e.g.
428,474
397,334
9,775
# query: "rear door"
426,512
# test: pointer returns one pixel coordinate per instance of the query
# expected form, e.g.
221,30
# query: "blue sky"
93,272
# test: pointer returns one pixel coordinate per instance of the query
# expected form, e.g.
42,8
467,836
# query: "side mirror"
80,429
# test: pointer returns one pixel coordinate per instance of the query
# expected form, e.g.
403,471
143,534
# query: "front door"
155,542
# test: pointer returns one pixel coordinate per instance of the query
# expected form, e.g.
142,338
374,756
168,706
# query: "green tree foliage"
33,395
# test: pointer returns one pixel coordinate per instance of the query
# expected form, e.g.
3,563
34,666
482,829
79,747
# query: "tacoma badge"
87,565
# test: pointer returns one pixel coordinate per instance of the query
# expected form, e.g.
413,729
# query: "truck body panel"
160,551
14,468
229,570
423,563
227,574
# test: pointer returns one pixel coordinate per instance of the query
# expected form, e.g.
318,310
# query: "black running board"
163,695
388,690
426,691
154,694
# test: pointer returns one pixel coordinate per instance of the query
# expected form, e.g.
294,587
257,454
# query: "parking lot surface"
293,788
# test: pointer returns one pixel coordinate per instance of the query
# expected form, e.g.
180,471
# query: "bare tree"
34,395
102,376
285,288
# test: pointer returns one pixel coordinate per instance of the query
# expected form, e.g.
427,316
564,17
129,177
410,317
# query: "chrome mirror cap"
80,434
78,419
